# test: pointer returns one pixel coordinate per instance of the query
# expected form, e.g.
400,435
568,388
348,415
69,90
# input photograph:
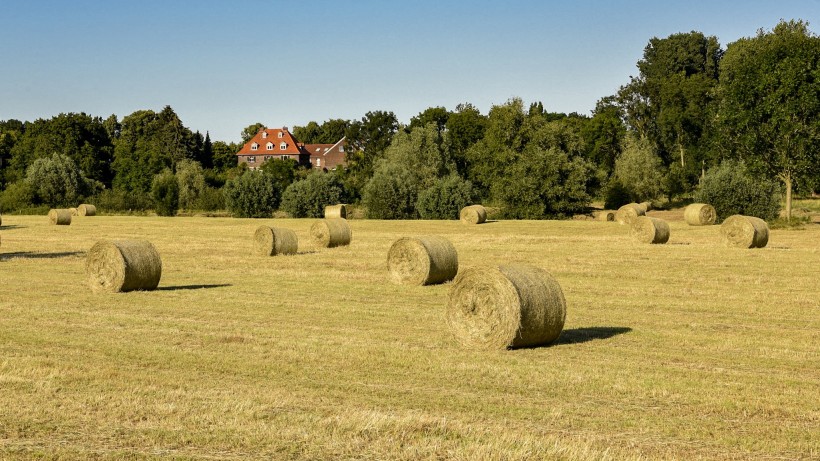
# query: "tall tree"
251,130
367,140
466,127
770,103
435,115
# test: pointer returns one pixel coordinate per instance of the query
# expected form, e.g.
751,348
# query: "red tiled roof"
291,147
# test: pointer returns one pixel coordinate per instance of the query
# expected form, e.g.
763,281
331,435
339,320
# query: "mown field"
688,350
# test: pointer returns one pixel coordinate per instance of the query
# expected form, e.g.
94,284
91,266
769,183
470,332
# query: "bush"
120,200
615,195
17,196
445,198
211,199
252,195
391,193
732,189
165,192
191,179
55,181
307,198
639,169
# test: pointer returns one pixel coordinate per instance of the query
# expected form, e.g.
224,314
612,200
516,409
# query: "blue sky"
223,65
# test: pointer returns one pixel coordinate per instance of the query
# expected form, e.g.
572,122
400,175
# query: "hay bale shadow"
193,287
583,335
33,255
12,226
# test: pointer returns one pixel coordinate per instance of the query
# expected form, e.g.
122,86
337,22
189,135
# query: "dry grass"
318,356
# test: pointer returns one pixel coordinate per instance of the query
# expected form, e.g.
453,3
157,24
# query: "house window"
318,162
281,134
283,146
268,157
269,146
254,146
341,148
251,159
284,157
264,134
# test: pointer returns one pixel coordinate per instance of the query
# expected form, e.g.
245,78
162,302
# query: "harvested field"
317,356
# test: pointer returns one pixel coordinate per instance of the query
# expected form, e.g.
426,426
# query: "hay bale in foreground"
505,306
605,215
628,213
59,216
123,265
272,241
650,230
422,261
331,232
745,232
473,214
336,211
86,210
700,214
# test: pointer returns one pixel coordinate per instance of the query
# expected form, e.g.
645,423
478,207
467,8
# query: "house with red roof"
280,144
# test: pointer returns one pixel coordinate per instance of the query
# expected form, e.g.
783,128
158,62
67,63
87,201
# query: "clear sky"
224,65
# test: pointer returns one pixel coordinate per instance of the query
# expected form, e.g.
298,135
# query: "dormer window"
283,146
264,134
254,146
269,146
281,135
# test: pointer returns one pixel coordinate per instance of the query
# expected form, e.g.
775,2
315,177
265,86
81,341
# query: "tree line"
692,107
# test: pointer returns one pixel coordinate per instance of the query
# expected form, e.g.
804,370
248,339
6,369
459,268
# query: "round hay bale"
627,213
73,211
422,261
745,232
272,241
606,215
700,214
505,306
650,230
647,206
473,214
336,211
123,265
331,233
86,210
59,216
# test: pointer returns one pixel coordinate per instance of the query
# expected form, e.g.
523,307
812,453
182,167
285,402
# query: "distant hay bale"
650,230
647,206
331,232
336,211
272,241
73,211
473,214
86,210
605,215
123,265
700,214
505,306
422,261
59,216
745,232
627,213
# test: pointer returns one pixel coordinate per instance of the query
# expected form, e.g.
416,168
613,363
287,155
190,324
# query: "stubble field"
689,350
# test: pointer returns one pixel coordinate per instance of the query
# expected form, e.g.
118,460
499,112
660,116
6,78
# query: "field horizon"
686,350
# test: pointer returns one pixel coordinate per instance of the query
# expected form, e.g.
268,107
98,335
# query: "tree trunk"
682,161
787,178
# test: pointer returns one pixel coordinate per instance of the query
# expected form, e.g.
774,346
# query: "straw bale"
498,307
700,214
73,211
86,210
123,265
59,216
650,230
331,233
272,241
605,215
627,213
424,260
745,232
473,214
336,211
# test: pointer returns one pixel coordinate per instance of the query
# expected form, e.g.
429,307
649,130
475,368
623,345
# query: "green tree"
465,127
603,134
367,140
391,193
639,169
224,156
732,189
309,197
165,192
438,116
250,131
770,104
254,194
445,198
191,180
56,181
283,172
424,151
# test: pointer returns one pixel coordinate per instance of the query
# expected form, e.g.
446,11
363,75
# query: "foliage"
250,131
770,106
465,127
732,189
56,181
436,115
445,198
545,183
639,169
328,132
616,194
603,134
391,193
122,201
191,179
224,155
254,194
283,172
165,192
367,140
307,198
211,199
17,196
424,151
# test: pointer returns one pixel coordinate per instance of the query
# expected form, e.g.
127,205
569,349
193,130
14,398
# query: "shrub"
307,198
121,200
732,189
391,193
615,195
211,199
639,169
252,195
55,181
17,196
445,198
165,192
191,179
